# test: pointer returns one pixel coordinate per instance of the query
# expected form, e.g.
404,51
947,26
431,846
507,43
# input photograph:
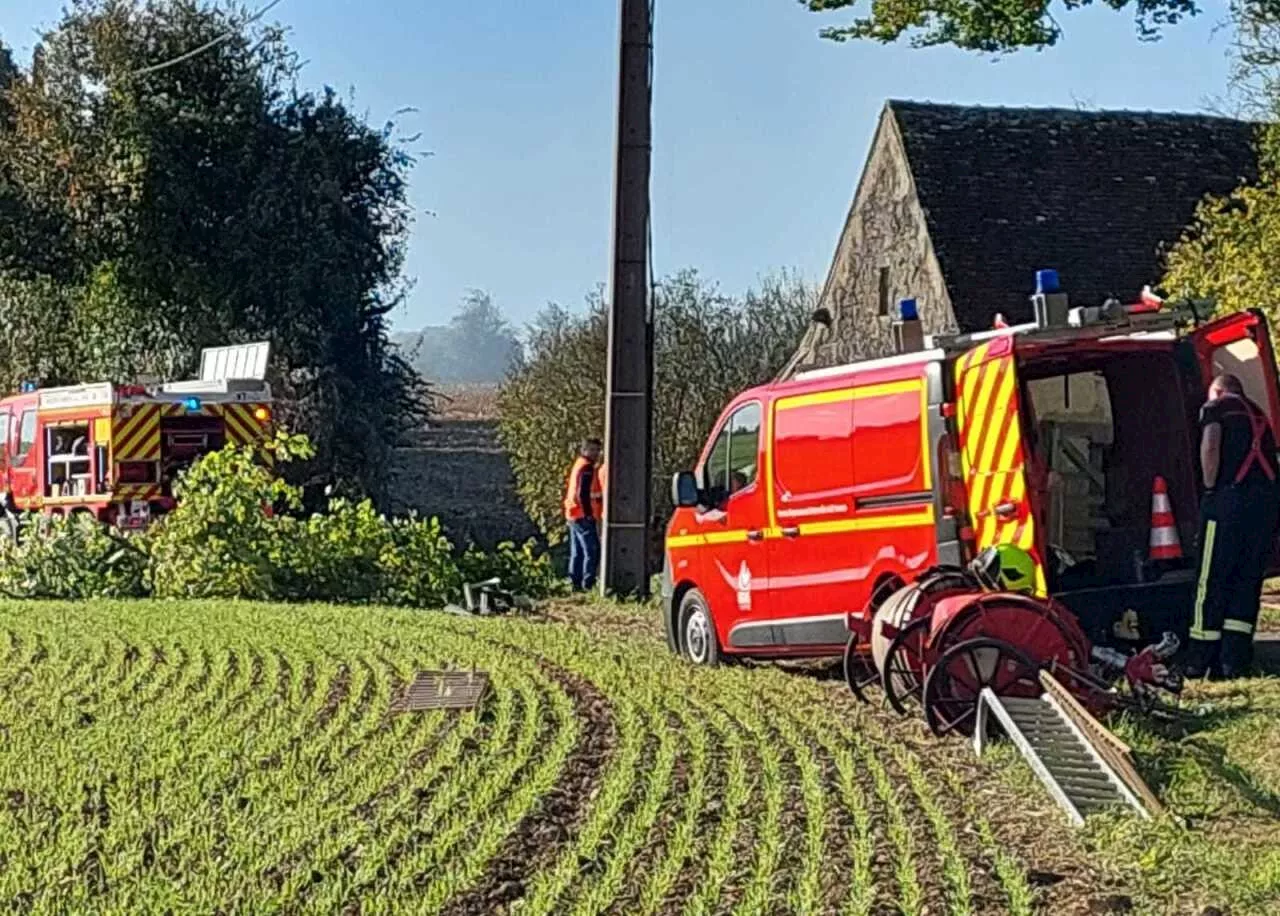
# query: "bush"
72,558
707,348
221,541
235,533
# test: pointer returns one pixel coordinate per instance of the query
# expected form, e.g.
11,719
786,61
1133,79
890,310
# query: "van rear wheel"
698,639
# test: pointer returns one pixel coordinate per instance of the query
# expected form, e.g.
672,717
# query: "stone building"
958,207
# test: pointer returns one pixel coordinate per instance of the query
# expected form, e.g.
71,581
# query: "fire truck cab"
112,451
816,497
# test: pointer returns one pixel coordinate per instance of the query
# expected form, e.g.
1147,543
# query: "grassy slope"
1220,774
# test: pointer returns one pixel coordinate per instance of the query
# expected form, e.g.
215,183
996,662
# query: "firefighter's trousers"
1237,526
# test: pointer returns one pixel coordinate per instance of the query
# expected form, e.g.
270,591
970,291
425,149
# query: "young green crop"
243,758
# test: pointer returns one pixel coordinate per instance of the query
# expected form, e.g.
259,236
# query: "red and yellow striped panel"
991,451
136,436
142,492
243,428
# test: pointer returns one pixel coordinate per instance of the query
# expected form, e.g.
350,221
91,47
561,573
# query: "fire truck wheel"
698,639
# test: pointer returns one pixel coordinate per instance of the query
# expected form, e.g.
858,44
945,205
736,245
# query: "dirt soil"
456,471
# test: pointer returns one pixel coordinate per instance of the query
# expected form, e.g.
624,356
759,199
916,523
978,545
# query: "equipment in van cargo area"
819,495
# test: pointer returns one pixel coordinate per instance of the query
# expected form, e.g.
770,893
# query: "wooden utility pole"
628,427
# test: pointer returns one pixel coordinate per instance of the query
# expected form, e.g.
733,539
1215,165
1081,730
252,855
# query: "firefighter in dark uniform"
1238,521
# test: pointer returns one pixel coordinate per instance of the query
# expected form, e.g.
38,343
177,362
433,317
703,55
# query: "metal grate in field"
442,690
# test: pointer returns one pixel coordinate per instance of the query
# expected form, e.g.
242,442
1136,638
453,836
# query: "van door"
815,578
24,467
1240,344
992,453
730,530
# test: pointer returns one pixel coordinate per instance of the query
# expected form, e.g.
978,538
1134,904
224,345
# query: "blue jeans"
584,553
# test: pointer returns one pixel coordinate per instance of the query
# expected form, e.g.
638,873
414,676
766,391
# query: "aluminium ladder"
1085,768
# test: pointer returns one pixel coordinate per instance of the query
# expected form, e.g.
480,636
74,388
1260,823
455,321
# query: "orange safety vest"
597,493
573,508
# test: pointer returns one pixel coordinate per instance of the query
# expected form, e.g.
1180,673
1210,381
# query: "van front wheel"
697,633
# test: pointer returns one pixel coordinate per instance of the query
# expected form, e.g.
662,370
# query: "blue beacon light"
1047,282
191,404
907,310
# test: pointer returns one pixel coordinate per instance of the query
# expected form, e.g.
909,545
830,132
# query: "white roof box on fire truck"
237,369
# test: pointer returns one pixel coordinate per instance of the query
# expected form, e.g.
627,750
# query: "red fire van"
815,497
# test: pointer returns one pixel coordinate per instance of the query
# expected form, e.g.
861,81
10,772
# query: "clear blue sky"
760,126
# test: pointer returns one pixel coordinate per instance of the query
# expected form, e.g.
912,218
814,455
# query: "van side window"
813,457
890,458
27,435
731,466
5,420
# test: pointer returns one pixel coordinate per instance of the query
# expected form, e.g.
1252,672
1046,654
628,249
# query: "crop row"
242,757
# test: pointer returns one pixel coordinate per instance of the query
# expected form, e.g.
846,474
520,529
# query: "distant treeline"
477,346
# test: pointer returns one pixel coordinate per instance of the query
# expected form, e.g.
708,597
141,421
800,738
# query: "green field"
241,758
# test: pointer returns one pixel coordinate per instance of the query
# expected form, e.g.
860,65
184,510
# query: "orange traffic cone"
1164,532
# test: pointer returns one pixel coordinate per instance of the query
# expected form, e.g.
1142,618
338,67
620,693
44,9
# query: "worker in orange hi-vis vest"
583,503
597,494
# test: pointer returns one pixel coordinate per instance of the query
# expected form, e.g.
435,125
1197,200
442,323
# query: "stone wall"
885,229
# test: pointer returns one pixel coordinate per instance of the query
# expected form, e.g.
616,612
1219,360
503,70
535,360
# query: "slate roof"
1096,195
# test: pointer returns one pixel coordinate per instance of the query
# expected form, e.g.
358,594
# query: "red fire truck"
112,450
817,496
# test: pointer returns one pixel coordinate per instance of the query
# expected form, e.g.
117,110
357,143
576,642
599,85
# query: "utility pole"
628,426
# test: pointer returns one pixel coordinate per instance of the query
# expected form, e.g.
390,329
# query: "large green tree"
177,189
1230,251
707,347
983,25
477,346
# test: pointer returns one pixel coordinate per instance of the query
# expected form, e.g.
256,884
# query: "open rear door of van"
992,453
1240,344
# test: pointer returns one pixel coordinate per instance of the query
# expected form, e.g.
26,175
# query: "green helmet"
1006,568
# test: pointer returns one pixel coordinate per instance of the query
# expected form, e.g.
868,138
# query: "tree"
984,25
707,347
177,201
484,345
1229,252
477,346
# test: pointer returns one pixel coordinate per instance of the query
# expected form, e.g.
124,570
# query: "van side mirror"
684,490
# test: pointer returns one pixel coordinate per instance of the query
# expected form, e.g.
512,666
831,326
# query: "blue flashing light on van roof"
1047,282
907,310
192,403
28,387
